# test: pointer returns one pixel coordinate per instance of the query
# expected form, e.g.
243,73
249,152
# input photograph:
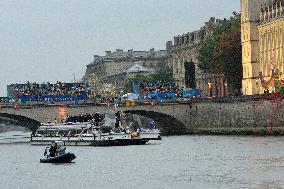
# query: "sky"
51,40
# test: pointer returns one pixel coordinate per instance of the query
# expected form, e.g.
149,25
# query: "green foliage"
279,85
163,74
138,78
206,55
222,52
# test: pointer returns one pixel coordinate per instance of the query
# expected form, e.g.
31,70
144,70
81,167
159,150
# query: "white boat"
86,134
69,134
154,134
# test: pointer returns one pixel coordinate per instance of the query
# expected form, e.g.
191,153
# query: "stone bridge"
174,117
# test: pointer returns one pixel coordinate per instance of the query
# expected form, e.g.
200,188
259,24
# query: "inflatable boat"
57,154
64,158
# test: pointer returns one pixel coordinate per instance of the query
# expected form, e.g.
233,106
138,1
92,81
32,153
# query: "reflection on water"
11,137
176,162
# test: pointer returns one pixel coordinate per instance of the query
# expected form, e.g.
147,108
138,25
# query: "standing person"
97,118
52,150
117,119
55,149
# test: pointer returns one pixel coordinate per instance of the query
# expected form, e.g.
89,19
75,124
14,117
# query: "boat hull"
120,142
115,139
65,158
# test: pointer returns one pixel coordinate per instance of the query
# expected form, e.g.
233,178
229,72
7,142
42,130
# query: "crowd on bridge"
157,89
36,91
61,91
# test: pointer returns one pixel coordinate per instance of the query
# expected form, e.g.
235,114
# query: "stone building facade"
112,68
183,55
262,44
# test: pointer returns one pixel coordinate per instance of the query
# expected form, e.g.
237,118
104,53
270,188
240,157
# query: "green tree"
163,74
222,52
138,78
279,85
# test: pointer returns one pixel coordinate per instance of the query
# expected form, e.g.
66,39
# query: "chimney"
96,57
119,52
212,19
130,52
169,46
108,53
152,52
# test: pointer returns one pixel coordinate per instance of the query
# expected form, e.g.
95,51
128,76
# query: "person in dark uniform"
97,118
45,151
52,150
117,118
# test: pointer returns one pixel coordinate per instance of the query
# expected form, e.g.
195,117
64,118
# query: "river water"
176,162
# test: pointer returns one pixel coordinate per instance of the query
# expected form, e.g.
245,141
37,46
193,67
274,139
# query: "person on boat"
117,119
52,150
45,151
69,133
55,147
127,129
97,118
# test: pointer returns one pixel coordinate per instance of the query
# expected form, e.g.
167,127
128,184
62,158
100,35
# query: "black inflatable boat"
64,158
57,154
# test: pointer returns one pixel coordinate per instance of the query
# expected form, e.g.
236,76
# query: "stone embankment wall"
236,117
251,117
204,117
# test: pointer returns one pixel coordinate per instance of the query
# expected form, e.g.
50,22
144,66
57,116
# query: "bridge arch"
22,121
169,125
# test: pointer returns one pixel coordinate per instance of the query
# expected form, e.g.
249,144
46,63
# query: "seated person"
52,150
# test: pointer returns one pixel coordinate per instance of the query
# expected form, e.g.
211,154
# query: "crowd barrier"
162,95
191,93
53,98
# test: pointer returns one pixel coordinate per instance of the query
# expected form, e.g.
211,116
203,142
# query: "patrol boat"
59,155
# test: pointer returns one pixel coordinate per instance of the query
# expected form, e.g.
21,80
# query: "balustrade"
272,11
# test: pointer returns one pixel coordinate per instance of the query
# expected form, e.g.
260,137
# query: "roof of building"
119,54
137,54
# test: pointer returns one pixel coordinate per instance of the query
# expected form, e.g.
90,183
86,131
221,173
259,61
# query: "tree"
137,78
279,85
221,53
95,84
99,88
163,74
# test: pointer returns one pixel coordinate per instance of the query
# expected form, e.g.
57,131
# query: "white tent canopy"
137,69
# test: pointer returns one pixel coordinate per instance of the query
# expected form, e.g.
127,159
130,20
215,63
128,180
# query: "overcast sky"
49,40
